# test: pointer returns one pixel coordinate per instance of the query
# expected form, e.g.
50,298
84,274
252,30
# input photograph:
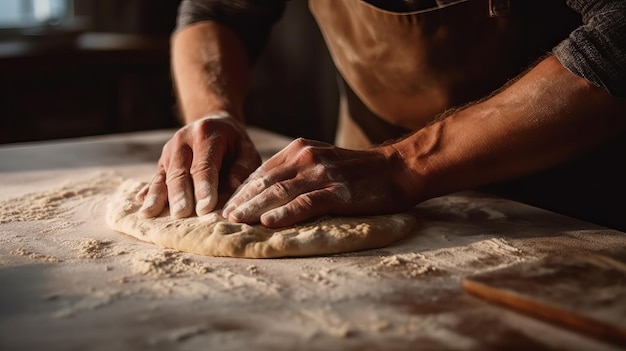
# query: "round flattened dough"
212,235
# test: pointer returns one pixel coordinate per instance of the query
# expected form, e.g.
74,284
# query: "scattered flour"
312,296
412,265
167,263
34,255
483,255
49,204
95,248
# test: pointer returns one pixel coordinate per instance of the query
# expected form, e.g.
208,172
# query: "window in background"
33,13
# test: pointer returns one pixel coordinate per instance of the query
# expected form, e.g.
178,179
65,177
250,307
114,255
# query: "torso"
408,67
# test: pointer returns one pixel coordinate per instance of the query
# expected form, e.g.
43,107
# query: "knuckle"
259,183
300,142
165,150
202,166
319,171
280,190
304,202
158,178
309,154
176,175
204,127
214,125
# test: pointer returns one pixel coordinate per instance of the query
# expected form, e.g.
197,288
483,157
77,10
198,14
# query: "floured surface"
71,282
212,235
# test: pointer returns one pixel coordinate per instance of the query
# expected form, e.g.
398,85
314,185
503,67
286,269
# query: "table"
69,282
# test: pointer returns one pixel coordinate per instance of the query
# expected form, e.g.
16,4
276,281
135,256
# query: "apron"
399,71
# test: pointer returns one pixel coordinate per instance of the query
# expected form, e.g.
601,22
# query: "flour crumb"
95,248
320,278
252,269
167,263
121,280
35,256
411,266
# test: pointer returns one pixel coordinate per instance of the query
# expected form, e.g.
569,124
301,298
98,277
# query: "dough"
212,235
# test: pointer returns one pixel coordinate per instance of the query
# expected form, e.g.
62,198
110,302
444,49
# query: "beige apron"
403,69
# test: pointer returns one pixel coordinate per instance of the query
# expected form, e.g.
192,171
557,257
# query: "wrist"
216,113
409,179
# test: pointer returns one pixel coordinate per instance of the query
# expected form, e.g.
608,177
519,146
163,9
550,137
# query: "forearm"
546,117
210,70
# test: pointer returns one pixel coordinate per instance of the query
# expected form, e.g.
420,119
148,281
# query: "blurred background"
72,68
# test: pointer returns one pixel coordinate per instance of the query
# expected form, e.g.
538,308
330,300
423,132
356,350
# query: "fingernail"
204,206
273,216
203,189
268,219
236,215
179,207
227,210
141,195
178,204
148,203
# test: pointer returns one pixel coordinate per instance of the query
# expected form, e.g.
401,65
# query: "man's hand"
211,152
310,178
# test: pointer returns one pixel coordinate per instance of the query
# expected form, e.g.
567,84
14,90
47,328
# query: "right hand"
209,154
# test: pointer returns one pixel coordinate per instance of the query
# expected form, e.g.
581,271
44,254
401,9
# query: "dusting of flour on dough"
212,235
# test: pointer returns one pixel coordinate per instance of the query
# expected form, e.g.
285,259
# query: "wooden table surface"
59,292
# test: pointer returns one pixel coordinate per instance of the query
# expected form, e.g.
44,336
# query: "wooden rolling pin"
584,293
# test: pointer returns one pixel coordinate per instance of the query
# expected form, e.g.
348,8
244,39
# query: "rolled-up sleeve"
596,50
250,19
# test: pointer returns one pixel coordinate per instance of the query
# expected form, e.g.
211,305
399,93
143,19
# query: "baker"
521,98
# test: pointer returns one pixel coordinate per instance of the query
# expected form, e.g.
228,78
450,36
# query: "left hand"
311,178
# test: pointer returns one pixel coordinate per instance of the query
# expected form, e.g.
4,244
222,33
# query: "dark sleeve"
250,19
596,50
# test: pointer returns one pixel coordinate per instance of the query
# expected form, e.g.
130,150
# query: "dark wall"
129,16
74,84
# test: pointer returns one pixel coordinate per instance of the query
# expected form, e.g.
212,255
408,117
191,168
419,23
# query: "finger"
179,184
303,207
141,195
273,196
252,187
156,197
205,169
269,173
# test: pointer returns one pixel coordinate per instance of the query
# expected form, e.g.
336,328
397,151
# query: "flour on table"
50,204
57,205
34,256
212,235
167,263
